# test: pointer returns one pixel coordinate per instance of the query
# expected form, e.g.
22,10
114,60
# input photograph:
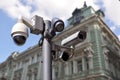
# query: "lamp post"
46,49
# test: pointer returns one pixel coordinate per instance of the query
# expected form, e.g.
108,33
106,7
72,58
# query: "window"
35,73
38,57
79,65
77,18
33,59
56,72
19,76
71,65
15,77
87,63
29,75
20,64
35,76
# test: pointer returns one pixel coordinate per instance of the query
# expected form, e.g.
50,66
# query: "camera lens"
59,26
65,56
82,35
19,39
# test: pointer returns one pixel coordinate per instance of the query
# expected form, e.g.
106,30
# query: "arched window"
29,75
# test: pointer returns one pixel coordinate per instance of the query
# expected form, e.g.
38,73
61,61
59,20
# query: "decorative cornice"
108,30
29,51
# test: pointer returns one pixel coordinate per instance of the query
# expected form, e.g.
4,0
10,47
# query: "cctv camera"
64,56
19,33
57,24
74,39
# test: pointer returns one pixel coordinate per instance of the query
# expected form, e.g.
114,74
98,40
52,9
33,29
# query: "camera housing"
19,33
64,56
57,24
74,39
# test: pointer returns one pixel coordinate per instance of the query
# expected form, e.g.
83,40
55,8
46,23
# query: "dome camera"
19,33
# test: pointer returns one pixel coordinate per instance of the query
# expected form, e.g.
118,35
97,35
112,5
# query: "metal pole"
47,57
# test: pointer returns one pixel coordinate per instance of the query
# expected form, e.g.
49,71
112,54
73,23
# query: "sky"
11,9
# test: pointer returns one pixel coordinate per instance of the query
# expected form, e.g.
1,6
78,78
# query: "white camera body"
74,38
19,29
19,33
37,26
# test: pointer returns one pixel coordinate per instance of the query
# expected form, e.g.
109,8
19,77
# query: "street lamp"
37,26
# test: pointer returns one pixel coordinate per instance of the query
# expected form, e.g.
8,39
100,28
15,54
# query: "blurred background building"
96,58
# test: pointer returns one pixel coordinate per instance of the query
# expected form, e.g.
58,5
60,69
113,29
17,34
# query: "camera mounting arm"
36,25
65,52
26,21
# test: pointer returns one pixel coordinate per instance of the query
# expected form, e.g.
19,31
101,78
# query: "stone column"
53,73
32,76
67,69
30,61
35,58
89,55
75,70
40,70
24,74
12,76
83,63
90,61
107,63
60,69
